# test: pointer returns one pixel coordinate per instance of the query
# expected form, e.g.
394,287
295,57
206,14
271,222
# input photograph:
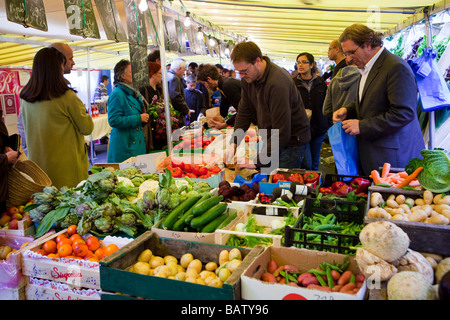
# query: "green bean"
329,278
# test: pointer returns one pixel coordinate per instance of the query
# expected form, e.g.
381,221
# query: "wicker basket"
20,189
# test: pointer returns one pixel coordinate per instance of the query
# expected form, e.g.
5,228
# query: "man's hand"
351,126
339,115
12,155
249,165
218,125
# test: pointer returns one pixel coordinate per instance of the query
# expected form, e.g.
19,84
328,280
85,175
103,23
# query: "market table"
101,128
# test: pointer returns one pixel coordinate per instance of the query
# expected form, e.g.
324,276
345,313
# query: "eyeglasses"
244,72
350,53
303,62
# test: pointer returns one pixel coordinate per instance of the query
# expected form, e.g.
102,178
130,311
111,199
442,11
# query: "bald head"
335,51
67,52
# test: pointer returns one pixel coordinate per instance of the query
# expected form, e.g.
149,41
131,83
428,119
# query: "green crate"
345,211
115,278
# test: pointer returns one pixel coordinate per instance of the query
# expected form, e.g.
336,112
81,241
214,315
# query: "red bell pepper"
343,190
187,168
297,177
278,177
336,185
360,185
311,177
176,172
326,190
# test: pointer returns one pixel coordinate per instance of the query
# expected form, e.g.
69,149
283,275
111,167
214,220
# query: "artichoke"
104,224
201,187
163,198
128,219
107,209
174,201
137,180
51,189
38,213
70,219
43,198
81,208
149,198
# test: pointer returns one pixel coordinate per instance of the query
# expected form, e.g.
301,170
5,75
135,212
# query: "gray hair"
177,64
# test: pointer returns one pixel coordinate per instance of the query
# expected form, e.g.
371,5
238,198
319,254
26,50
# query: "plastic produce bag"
256,178
345,150
433,90
10,270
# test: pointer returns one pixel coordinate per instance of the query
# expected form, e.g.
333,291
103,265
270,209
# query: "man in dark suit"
383,117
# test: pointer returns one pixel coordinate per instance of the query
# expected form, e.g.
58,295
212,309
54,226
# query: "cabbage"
435,175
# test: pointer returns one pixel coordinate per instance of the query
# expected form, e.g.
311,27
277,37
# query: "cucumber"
172,217
205,205
208,216
230,217
180,224
213,225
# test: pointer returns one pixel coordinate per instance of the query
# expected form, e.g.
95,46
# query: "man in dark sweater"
194,98
230,89
270,100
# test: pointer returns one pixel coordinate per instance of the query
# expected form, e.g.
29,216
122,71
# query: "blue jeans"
312,158
292,157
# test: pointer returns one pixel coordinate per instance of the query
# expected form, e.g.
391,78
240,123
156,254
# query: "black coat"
313,100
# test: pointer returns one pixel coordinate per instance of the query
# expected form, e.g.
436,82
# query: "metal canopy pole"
165,84
431,119
91,145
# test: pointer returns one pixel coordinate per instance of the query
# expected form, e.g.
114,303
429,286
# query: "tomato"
187,168
199,170
176,172
247,138
191,175
215,169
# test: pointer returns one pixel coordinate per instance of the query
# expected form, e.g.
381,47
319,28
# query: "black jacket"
194,100
313,100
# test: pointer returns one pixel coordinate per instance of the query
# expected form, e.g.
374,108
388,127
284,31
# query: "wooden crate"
114,277
17,293
77,273
22,230
425,237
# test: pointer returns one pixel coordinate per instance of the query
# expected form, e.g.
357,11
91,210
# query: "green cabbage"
435,175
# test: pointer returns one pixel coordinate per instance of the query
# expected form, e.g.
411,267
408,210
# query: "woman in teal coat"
126,115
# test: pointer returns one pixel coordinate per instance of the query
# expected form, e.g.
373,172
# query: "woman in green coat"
125,116
55,121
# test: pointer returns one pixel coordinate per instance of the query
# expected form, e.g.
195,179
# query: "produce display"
359,186
401,179
332,277
309,177
235,193
276,227
188,268
429,208
194,142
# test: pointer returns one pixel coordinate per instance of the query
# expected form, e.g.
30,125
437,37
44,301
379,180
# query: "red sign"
10,87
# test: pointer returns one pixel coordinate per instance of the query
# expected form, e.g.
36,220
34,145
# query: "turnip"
385,240
410,285
442,268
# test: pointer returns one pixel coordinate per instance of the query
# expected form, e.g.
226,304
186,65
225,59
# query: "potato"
223,257
211,266
438,219
205,274
235,254
193,280
4,251
173,267
224,274
170,258
145,255
156,261
162,271
217,283
186,259
419,202
427,197
200,281
209,279
437,198
418,215
400,199
191,273
233,264
141,267
445,200
392,203
410,201
180,268
376,199
180,276
195,264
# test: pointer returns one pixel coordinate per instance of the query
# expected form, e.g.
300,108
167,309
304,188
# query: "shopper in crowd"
55,121
383,116
151,93
219,67
101,94
341,90
206,97
67,51
8,157
225,73
176,88
312,89
229,88
335,54
126,116
270,100
154,56
194,98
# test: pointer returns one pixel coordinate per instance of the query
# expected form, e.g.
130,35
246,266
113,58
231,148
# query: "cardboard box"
115,278
213,180
425,237
147,163
39,289
190,236
254,289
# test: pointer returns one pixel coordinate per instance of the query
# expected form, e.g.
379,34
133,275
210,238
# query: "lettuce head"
435,175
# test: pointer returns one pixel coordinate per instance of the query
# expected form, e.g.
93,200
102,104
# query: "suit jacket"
389,128
177,95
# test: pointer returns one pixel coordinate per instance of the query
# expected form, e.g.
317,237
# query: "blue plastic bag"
433,90
256,178
345,150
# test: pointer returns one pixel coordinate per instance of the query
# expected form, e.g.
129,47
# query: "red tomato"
187,167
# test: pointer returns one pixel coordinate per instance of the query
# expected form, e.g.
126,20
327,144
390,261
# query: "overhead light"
143,6
227,51
200,33
212,42
188,20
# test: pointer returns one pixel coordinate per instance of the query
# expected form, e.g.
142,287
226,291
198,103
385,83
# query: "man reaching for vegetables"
383,117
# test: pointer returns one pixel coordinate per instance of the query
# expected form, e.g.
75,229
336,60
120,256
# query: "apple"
14,224
27,221
4,220
12,210
20,208
16,216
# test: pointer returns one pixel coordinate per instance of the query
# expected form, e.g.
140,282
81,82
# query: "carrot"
375,175
403,174
385,170
410,178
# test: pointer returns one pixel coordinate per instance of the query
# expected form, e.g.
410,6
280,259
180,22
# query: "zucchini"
208,216
205,205
213,225
172,217
180,224
230,217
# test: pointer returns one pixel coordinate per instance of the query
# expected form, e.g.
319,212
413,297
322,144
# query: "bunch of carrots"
398,179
